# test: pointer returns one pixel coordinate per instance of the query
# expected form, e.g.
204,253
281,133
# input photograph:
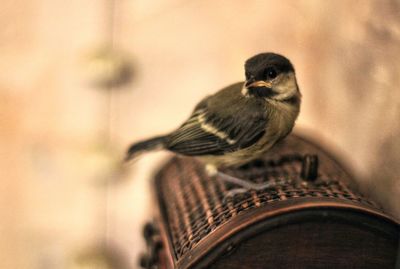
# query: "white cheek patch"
286,88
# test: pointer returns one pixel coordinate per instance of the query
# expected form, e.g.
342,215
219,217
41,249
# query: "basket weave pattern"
197,204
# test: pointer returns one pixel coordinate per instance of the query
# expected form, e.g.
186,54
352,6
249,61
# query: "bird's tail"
143,146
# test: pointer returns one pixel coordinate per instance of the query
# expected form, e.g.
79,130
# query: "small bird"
238,123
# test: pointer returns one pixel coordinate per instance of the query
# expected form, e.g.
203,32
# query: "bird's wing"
206,133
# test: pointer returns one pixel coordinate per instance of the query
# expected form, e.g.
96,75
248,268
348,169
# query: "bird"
239,123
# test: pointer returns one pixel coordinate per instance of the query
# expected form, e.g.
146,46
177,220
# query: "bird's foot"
233,192
245,185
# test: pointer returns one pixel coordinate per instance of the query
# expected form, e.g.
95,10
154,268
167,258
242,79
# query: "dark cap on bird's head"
262,61
270,75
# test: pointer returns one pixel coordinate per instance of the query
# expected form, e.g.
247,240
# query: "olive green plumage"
240,122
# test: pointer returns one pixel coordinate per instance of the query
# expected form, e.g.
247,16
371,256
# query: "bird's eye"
271,73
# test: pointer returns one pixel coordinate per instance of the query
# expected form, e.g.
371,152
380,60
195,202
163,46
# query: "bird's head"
271,76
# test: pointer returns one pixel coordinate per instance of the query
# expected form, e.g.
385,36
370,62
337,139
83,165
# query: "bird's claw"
246,185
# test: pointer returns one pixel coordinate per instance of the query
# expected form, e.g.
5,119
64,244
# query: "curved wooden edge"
247,218
161,220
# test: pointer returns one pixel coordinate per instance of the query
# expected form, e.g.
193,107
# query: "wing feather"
208,134
210,131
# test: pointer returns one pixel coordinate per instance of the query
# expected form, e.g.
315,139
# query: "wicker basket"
312,217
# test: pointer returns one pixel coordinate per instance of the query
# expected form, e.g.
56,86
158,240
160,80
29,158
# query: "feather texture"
240,122
211,130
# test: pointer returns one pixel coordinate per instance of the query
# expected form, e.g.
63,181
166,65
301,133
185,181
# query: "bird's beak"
260,83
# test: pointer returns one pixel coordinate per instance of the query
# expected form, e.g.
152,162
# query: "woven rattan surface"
194,204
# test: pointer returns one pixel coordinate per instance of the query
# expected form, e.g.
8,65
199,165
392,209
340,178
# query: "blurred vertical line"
110,10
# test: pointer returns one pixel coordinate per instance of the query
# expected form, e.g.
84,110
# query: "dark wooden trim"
161,220
238,223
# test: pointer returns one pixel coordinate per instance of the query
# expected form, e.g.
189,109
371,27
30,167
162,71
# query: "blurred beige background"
61,136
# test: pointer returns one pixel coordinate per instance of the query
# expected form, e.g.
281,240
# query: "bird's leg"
244,184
